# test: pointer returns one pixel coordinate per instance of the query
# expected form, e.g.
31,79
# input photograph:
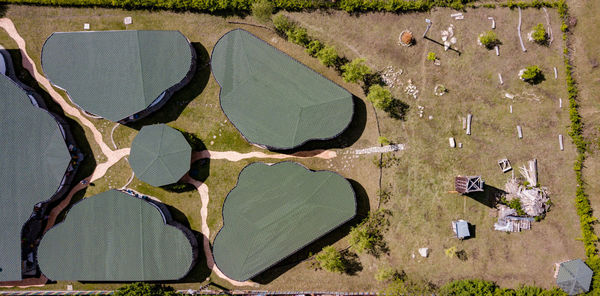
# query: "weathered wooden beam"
469,118
520,132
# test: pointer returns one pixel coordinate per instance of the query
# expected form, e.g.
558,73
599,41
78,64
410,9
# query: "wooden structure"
504,165
467,184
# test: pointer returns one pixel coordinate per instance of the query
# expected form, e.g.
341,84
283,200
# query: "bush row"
531,4
243,6
582,202
487,288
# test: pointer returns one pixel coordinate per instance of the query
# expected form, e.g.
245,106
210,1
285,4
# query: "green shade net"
274,100
113,236
574,277
160,155
274,211
115,74
33,161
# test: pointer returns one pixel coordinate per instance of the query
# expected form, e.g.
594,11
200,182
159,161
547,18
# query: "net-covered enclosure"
574,277
274,211
160,155
113,236
115,74
34,159
274,100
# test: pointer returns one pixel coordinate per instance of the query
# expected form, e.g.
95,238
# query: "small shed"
461,229
467,184
574,277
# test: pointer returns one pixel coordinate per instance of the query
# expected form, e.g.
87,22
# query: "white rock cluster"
411,89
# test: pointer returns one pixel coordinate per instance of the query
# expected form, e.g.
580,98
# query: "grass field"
420,178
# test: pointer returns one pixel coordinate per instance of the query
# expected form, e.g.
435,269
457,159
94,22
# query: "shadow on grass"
362,211
3,9
348,137
180,99
488,197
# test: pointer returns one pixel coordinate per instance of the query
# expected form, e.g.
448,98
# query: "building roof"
113,236
160,155
274,100
574,277
115,74
274,211
34,158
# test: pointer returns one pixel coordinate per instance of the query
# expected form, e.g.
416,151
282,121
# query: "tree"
355,70
489,39
330,259
145,289
383,141
262,10
539,34
328,56
380,97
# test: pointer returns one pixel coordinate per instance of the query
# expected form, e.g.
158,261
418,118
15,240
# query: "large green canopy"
115,74
113,236
574,277
274,211
274,100
160,155
33,161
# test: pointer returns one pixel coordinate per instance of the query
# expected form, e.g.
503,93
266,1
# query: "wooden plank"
520,132
469,118
500,77
560,142
452,142
519,32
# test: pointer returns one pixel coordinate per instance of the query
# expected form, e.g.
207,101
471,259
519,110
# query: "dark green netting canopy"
274,100
115,74
574,277
113,236
33,161
274,211
160,155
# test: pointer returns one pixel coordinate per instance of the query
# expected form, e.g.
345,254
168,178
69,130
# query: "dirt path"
236,156
203,191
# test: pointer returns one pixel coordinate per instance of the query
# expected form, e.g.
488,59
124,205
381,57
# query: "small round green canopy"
574,277
160,155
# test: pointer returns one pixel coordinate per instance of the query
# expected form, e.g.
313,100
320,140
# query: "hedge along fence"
582,202
244,6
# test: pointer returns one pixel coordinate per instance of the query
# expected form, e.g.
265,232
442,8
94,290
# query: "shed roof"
113,236
274,100
461,228
574,277
115,74
34,158
274,211
160,155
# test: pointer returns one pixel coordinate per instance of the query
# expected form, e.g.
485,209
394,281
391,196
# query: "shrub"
515,204
330,259
328,56
262,10
282,24
431,56
451,252
489,39
386,273
380,97
532,75
539,34
314,47
145,289
383,141
298,35
355,70
368,235
468,288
